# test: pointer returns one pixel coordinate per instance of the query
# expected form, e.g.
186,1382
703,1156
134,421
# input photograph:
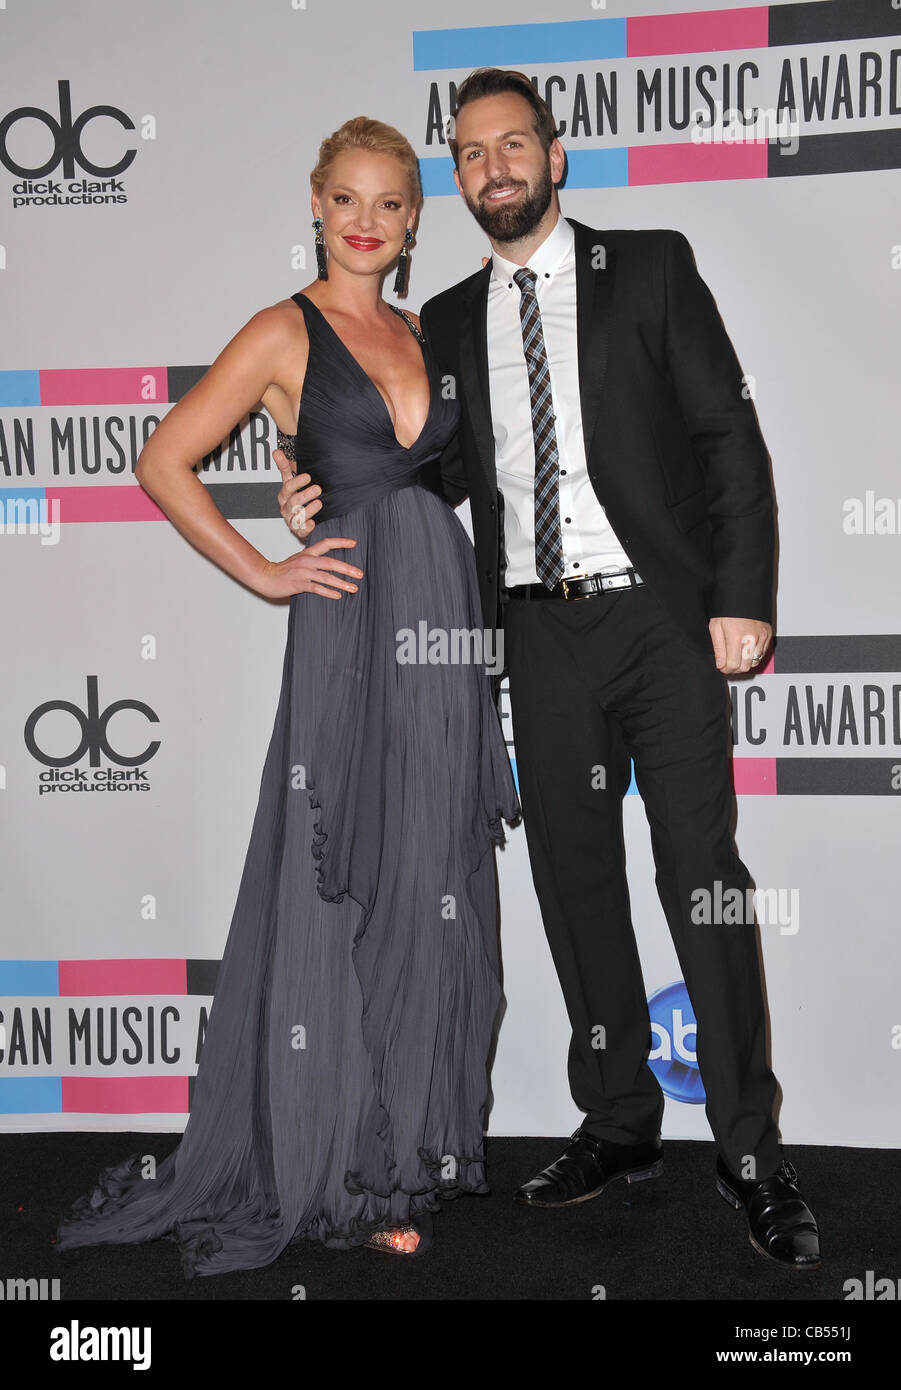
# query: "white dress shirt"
589,542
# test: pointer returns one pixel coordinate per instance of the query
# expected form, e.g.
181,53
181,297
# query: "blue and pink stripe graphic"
73,387
73,979
660,36
590,40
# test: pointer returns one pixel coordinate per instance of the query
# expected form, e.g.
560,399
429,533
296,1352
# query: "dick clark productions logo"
66,134
93,734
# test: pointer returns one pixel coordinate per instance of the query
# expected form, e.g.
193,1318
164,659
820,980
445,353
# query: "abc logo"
92,724
673,1057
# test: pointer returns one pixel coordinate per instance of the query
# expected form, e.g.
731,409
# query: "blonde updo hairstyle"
361,133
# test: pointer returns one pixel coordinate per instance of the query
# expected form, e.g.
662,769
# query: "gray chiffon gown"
343,1081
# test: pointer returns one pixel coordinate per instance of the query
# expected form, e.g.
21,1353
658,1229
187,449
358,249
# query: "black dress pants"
594,682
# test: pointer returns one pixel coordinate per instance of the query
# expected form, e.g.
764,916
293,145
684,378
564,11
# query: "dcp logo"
93,724
66,138
673,1057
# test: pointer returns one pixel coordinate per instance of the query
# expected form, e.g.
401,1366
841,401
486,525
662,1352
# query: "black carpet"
670,1238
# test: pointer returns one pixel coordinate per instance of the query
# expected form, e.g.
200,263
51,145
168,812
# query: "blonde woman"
341,1089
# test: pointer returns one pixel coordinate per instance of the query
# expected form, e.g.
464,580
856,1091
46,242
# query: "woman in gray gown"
341,1091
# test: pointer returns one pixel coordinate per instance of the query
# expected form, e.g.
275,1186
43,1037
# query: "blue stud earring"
400,279
321,253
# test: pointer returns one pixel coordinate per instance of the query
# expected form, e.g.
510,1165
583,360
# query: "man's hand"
297,500
737,642
313,570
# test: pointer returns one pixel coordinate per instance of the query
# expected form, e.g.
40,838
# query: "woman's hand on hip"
313,571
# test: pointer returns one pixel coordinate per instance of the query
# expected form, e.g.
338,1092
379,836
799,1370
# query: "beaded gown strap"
408,321
285,442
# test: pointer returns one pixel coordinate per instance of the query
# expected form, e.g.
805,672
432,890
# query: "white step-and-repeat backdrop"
154,187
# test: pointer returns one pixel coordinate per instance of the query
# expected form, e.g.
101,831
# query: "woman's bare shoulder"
284,327
284,316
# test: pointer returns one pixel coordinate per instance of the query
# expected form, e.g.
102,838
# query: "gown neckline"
407,448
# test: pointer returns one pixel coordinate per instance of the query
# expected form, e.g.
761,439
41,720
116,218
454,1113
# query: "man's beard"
512,223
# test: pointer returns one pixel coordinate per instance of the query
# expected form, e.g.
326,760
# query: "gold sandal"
389,1240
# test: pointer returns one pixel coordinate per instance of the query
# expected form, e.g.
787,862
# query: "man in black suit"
623,519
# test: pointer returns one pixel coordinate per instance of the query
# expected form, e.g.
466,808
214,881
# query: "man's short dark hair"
492,82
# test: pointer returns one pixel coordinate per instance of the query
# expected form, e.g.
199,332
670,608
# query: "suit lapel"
474,368
595,277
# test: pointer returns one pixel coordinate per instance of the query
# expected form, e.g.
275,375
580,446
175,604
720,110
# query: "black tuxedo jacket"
672,444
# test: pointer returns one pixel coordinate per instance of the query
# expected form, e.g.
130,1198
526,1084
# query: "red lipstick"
364,243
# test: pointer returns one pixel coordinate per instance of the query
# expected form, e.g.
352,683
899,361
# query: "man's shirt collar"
545,259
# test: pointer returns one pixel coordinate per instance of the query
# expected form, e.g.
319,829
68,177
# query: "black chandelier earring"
321,253
403,265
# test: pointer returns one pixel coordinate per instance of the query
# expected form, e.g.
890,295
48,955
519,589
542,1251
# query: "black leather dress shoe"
781,1225
587,1166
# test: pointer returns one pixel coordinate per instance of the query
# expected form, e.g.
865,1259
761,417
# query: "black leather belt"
580,586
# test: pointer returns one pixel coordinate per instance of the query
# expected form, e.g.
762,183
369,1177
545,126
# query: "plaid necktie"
548,541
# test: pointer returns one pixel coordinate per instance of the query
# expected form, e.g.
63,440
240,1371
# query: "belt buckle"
573,598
